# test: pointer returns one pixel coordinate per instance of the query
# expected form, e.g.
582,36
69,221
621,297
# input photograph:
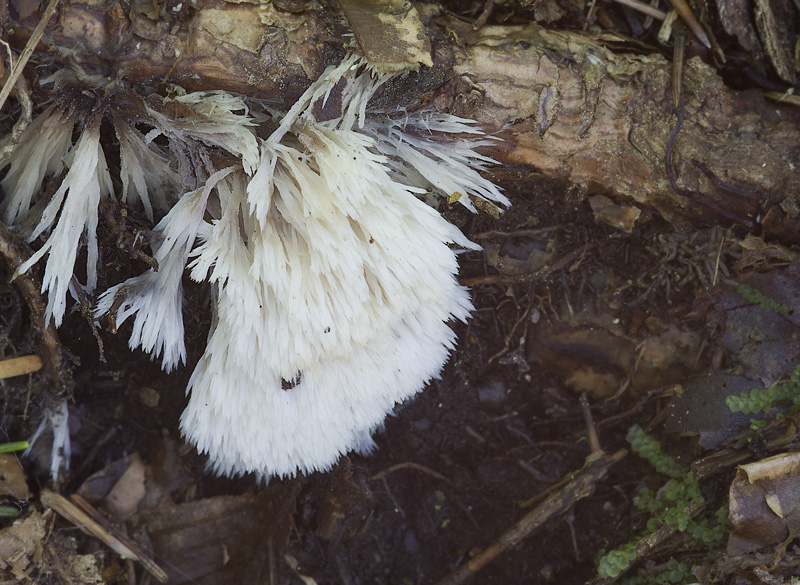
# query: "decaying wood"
567,106
614,119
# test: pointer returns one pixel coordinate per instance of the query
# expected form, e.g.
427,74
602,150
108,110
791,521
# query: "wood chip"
19,366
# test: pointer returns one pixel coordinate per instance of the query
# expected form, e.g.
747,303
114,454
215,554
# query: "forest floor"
645,325
466,459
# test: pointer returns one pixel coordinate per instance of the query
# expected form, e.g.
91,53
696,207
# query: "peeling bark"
616,116
565,104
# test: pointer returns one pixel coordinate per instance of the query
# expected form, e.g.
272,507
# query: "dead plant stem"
38,32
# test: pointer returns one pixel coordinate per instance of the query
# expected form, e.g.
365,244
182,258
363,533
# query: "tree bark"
615,116
565,104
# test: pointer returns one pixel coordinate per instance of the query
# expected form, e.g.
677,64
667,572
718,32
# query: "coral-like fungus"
334,282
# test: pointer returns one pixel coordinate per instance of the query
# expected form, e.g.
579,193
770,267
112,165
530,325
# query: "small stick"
409,465
643,8
581,485
677,68
19,366
137,553
86,311
648,22
686,14
26,104
562,262
86,518
591,430
488,8
38,32
535,233
590,15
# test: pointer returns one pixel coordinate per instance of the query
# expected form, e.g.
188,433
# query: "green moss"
676,572
766,303
671,505
760,400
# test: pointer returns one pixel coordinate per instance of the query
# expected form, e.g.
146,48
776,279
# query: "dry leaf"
765,503
12,477
225,539
21,541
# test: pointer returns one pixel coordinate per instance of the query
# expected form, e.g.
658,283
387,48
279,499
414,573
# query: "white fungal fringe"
144,170
40,152
421,149
155,297
77,199
335,283
330,295
210,120
56,419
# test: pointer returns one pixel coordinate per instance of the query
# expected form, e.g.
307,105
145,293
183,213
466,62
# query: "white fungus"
334,282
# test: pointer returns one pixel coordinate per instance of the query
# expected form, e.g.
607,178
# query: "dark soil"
459,464
455,465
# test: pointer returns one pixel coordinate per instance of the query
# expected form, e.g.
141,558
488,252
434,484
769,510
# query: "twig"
397,507
590,15
581,486
409,465
38,32
19,366
24,98
591,430
516,233
529,276
52,357
611,421
648,22
643,8
678,55
86,311
686,14
488,8
507,343
84,516
648,544
294,565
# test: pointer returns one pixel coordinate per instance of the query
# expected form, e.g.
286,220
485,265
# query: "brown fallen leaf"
225,539
765,503
759,255
622,217
22,542
12,477
122,502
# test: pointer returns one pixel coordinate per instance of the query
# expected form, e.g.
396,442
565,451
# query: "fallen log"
565,103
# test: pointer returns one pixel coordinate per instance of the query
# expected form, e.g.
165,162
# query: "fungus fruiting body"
334,282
